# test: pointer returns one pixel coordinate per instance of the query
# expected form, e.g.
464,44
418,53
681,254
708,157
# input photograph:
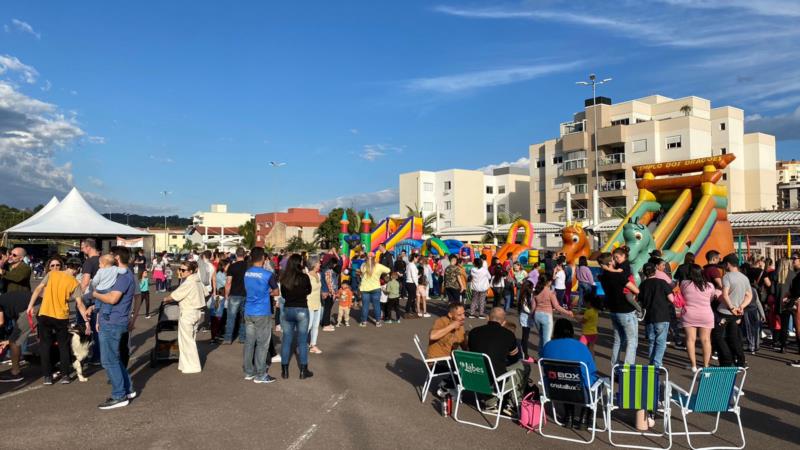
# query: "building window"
427,187
724,177
448,224
722,126
558,159
448,205
540,211
501,209
258,238
640,145
427,206
490,189
625,121
673,142
640,121
258,227
448,185
501,189
489,208
539,164
723,150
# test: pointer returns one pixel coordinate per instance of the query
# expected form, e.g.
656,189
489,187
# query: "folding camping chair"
476,374
713,390
638,387
568,382
430,366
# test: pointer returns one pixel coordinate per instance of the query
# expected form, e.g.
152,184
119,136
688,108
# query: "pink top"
660,274
546,302
697,311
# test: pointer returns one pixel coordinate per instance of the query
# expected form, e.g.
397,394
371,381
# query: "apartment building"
220,217
647,130
788,173
466,197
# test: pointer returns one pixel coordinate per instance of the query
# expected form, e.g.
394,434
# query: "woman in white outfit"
314,304
190,296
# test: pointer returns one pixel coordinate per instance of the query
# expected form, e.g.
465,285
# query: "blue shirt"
570,350
258,282
118,314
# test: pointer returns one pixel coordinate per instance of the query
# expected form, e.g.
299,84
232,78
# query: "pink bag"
529,412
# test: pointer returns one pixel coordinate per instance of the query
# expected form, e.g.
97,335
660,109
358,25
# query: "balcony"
616,134
613,188
577,214
580,188
575,141
574,167
613,161
615,212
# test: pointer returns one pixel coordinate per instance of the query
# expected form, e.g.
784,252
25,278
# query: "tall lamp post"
166,234
593,82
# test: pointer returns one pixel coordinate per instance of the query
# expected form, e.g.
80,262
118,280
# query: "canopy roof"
72,217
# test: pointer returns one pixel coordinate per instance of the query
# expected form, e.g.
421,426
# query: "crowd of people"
255,297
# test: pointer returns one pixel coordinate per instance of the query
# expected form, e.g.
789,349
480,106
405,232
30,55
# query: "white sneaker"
426,315
132,395
276,358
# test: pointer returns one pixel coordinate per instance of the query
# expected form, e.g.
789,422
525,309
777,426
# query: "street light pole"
593,82
166,234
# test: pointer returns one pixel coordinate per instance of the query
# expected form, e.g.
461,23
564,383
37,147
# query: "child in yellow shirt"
589,319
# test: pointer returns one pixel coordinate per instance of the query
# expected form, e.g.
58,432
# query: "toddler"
392,299
384,296
345,303
144,293
104,279
589,320
422,297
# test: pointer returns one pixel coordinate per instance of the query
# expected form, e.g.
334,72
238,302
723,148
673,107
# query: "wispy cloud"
522,162
11,64
161,159
21,26
46,86
784,127
96,140
780,8
371,152
97,182
353,130
450,84
367,200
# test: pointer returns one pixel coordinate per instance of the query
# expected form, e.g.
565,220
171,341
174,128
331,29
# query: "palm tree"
686,110
427,221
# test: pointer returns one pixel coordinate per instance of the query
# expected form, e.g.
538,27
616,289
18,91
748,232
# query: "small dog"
80,342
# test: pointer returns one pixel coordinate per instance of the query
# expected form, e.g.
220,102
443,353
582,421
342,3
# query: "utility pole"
593,82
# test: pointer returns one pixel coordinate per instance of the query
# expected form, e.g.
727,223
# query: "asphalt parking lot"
364,394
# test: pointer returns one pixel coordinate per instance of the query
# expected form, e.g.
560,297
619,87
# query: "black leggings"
526,333
60,327
499,296
327,309
393,304
145,297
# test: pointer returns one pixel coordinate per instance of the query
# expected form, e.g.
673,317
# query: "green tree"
248,233
327,233
428,221
686,110
11,216
297,244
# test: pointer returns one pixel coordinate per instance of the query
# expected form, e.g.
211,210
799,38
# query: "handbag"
530,410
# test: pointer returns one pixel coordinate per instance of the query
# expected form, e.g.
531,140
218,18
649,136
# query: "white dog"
81,342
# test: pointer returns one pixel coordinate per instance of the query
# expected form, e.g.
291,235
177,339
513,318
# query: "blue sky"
126,100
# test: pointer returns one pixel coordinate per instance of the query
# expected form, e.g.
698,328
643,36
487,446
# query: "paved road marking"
303,438
21,391
335,400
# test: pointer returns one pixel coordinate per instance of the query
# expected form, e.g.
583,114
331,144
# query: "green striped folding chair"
475,373
639,387
714,390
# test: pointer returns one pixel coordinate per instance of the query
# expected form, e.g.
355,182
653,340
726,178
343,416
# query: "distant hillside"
11,216
136,220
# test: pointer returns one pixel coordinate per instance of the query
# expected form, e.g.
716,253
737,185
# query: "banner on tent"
135,242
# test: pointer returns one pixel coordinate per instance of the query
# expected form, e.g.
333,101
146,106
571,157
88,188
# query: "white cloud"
366,200
9,64
104,204
23,27
761,7
73,92
371,152
162,159
96,181
784,127
522,162
353,130
96,140
46,86
450,84
32,133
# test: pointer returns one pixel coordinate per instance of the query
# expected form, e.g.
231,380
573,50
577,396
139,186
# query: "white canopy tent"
72,217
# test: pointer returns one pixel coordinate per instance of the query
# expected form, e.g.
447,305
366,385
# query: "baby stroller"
166,346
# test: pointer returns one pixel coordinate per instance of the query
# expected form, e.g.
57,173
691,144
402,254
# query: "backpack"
530,409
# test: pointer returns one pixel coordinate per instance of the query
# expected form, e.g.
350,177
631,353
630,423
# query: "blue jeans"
626,331
234,303
374,298
110,336
544,324
584,289
314,316
657,336
294,322
509,295
256,345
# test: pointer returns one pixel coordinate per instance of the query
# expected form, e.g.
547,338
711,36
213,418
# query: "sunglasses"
54,265
15,255
181,269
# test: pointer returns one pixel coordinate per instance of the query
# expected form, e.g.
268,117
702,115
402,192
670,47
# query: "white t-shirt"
559,280
412,273
480,279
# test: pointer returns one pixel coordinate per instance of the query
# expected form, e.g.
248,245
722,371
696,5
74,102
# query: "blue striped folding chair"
714,390
638,387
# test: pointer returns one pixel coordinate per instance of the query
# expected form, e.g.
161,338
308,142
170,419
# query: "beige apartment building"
220,217
465,198
643,131
788,184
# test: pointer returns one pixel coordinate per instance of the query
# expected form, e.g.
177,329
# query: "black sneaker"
110,403
65,380
48,381
9,377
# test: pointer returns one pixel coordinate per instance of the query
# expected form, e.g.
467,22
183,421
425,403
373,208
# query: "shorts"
588,339
22,329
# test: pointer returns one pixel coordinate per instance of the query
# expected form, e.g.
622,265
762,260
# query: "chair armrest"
597,384
674,386
435,360
505,375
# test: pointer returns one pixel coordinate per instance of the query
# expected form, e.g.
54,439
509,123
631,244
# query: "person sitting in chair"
565,347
